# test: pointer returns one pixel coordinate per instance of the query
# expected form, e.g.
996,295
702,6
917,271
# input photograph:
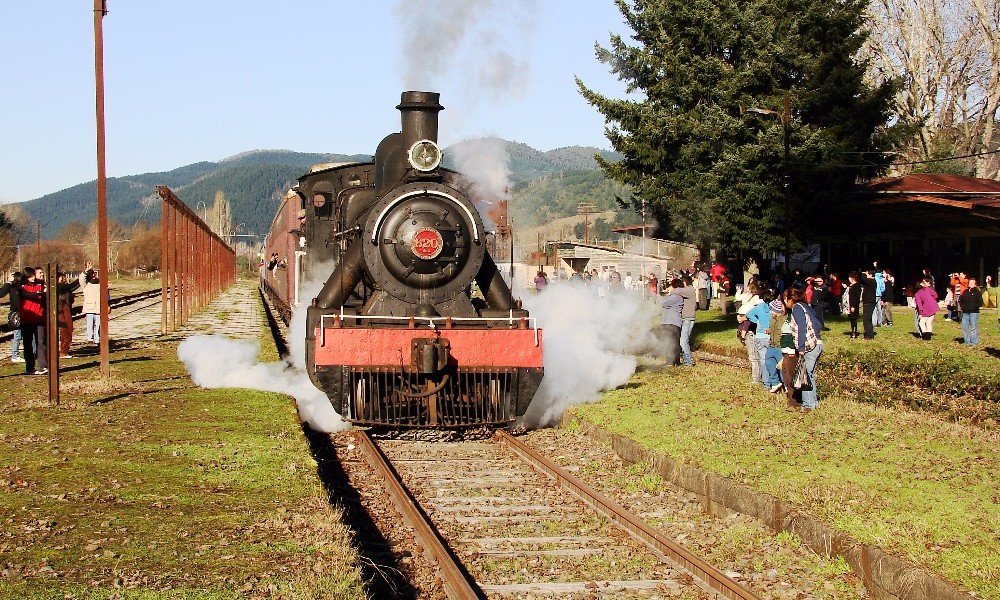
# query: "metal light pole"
786,118
642,268
205,212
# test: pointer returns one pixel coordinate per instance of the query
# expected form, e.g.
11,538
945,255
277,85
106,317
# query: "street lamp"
642,268
202,203
786,119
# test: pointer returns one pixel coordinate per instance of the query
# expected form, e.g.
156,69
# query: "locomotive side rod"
456,584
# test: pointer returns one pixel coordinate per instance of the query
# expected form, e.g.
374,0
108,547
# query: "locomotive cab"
394,337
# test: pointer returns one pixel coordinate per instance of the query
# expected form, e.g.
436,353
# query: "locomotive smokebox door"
429,355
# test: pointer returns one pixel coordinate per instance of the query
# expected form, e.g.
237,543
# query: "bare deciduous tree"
220,217
945,55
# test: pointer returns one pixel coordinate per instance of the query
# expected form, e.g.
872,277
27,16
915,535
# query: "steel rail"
714,580
456,584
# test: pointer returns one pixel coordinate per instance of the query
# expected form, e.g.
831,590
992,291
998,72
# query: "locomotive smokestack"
419,114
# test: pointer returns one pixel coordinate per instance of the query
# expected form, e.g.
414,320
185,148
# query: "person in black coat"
869,298
13,289
970,302
853,301
888,298
820,297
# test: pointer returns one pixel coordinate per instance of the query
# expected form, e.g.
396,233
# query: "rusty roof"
933,183
915,206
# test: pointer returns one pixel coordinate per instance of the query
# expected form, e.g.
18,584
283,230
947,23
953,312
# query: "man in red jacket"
33,323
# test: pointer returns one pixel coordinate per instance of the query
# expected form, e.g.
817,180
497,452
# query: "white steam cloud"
591,345
216,361
485,162
435,37
219,362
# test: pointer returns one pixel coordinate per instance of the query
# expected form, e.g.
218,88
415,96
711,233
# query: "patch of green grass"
162,490
909,482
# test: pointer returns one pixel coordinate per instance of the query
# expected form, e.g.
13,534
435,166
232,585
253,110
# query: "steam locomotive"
398,336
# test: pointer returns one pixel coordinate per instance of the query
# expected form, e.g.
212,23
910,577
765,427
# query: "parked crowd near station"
28,317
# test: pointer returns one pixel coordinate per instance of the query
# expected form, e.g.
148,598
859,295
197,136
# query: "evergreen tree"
713,172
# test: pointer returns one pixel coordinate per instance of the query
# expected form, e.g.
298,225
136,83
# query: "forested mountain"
558,195
253,183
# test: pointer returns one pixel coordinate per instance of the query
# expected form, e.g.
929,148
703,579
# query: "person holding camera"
91,308
869,300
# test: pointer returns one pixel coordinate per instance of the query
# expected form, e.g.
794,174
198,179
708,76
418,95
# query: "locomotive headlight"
424,156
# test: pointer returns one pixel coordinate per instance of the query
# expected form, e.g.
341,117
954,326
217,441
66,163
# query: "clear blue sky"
200,80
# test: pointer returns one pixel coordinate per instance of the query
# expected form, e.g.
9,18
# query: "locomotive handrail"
433,322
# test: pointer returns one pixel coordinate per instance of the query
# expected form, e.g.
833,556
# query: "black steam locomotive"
397,335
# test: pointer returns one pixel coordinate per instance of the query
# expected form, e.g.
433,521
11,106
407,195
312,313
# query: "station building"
947,223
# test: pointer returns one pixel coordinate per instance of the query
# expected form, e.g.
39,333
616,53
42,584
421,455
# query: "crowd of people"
28,317
710,282
781,323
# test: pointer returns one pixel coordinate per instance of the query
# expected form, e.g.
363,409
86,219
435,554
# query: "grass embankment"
153,488
908,481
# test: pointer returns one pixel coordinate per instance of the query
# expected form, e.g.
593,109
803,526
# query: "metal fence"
197,265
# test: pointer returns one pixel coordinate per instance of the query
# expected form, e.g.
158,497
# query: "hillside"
253,182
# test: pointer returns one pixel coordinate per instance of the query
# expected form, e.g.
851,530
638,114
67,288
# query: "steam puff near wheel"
394,336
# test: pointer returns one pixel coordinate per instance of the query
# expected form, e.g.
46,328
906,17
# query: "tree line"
135,248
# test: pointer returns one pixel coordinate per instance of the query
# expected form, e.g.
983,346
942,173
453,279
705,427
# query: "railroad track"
498,520
117,304
495,519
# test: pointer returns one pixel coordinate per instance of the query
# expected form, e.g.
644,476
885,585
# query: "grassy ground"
152,488
909,481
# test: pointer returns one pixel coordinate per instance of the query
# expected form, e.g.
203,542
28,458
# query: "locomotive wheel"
496,396
360,398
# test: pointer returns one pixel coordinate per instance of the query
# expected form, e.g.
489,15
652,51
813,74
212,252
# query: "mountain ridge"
254,181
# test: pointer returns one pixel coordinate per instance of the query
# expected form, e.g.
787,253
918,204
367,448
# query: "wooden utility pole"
586,209
101,9
52,331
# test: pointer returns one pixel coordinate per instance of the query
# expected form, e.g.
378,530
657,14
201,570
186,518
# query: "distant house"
944,222
634,254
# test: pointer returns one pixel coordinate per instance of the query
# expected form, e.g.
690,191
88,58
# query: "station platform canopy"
911,207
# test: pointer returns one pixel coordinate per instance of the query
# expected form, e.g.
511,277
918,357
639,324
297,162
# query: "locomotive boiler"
397,335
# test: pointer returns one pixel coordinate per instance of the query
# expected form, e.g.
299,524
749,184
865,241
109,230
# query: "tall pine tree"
713,171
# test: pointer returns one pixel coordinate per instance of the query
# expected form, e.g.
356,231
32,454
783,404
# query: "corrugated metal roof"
933,183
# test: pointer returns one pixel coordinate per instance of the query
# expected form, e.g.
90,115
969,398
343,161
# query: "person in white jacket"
91,287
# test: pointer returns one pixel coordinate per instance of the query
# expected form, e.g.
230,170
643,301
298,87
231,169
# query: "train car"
398,336
280,263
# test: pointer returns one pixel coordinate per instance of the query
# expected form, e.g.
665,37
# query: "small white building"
638,256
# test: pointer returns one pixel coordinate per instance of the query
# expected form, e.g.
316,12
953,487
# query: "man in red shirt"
33,323
718,273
